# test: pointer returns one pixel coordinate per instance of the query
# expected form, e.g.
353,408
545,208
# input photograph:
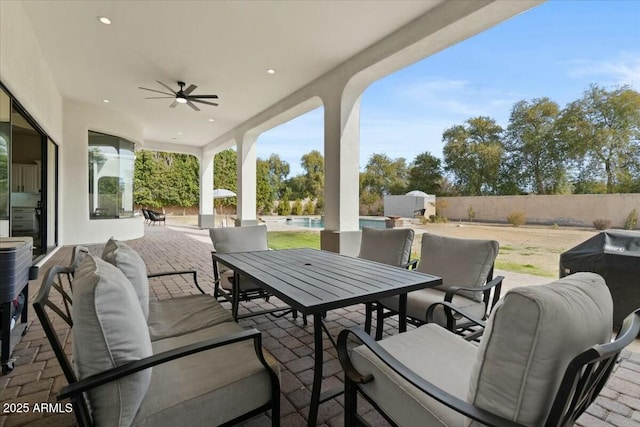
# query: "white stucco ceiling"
223,47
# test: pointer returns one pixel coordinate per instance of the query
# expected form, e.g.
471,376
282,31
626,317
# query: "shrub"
517,219
284,207
471,214
441,206
632,220
298,209
555,226
310,208
602,224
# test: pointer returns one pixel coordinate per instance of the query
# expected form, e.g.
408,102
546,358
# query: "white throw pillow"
132,265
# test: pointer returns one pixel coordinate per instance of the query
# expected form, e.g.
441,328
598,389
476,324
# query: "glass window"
111,163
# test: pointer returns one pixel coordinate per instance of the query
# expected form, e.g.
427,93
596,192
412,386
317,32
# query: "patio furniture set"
538,356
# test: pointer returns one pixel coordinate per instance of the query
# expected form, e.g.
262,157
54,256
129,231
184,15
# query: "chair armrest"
411,265
451,321
172,273
496,282
423,385
113,374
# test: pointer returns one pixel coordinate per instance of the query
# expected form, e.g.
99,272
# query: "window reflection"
5,139
111,163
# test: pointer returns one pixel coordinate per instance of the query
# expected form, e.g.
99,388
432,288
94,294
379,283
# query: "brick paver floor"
37,377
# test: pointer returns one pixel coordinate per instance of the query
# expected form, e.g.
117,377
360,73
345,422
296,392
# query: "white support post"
206,214
246,180
341,177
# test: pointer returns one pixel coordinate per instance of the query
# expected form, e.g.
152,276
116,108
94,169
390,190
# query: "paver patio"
37,376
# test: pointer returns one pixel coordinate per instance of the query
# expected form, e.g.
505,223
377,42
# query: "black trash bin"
615,255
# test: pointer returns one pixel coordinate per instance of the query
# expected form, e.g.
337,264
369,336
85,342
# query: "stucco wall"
575,209
24,71
77,228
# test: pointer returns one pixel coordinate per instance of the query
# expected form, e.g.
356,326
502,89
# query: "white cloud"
624,69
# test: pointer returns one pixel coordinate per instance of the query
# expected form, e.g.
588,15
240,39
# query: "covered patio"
37,376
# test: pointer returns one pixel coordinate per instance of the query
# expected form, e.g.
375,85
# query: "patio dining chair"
545,356
390,246
466,269
155,217
240,239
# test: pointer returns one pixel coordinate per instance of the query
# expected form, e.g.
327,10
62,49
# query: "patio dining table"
315,281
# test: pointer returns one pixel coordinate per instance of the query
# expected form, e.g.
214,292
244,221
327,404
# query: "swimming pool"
315,222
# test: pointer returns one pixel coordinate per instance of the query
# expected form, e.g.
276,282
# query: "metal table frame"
314,281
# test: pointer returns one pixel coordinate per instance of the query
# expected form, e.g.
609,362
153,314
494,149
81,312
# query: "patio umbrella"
221,193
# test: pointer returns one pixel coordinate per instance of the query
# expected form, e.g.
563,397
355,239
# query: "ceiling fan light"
181,100
104,20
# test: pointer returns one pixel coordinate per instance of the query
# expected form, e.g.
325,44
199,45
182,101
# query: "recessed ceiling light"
105,101
104,20
179,133
211,120
271,71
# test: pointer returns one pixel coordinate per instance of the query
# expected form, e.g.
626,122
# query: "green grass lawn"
294,239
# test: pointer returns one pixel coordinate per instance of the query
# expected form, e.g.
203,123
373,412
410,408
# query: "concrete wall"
575,209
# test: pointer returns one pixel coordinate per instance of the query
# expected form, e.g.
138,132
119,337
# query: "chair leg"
368,314
379,321
350,403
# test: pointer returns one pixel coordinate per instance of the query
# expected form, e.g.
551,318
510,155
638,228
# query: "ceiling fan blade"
192,105
153,90
204,96
170,90
203,102
190,89
159,97
173,104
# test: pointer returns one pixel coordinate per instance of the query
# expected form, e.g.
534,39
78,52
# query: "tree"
473,154
602,131
312,182
425,174
384,175
265,192
535,155
278,172
225,172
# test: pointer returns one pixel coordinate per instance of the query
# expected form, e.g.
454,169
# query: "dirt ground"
527,249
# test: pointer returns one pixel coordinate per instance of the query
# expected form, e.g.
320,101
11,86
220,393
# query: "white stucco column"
206,213
341,172
246,193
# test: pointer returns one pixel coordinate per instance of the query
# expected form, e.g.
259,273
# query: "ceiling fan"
182,96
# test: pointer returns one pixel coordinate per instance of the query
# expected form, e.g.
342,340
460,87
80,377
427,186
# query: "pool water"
310,222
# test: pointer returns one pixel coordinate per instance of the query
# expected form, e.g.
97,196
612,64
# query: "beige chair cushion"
109,330
392,246
419,301
460,262
208,388
132,265
530,338
182,315
238,239
432,352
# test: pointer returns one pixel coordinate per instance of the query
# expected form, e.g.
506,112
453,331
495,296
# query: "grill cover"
615,255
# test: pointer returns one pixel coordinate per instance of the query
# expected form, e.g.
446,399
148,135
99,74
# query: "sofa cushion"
109,330
530,338
178,316
239,239
130,262
392,246
419,301
432,352
213,386
460,262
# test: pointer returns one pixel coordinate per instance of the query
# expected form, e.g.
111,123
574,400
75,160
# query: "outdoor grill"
15,271
615,255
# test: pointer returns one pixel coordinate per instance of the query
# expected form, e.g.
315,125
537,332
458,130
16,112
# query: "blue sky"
555,50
